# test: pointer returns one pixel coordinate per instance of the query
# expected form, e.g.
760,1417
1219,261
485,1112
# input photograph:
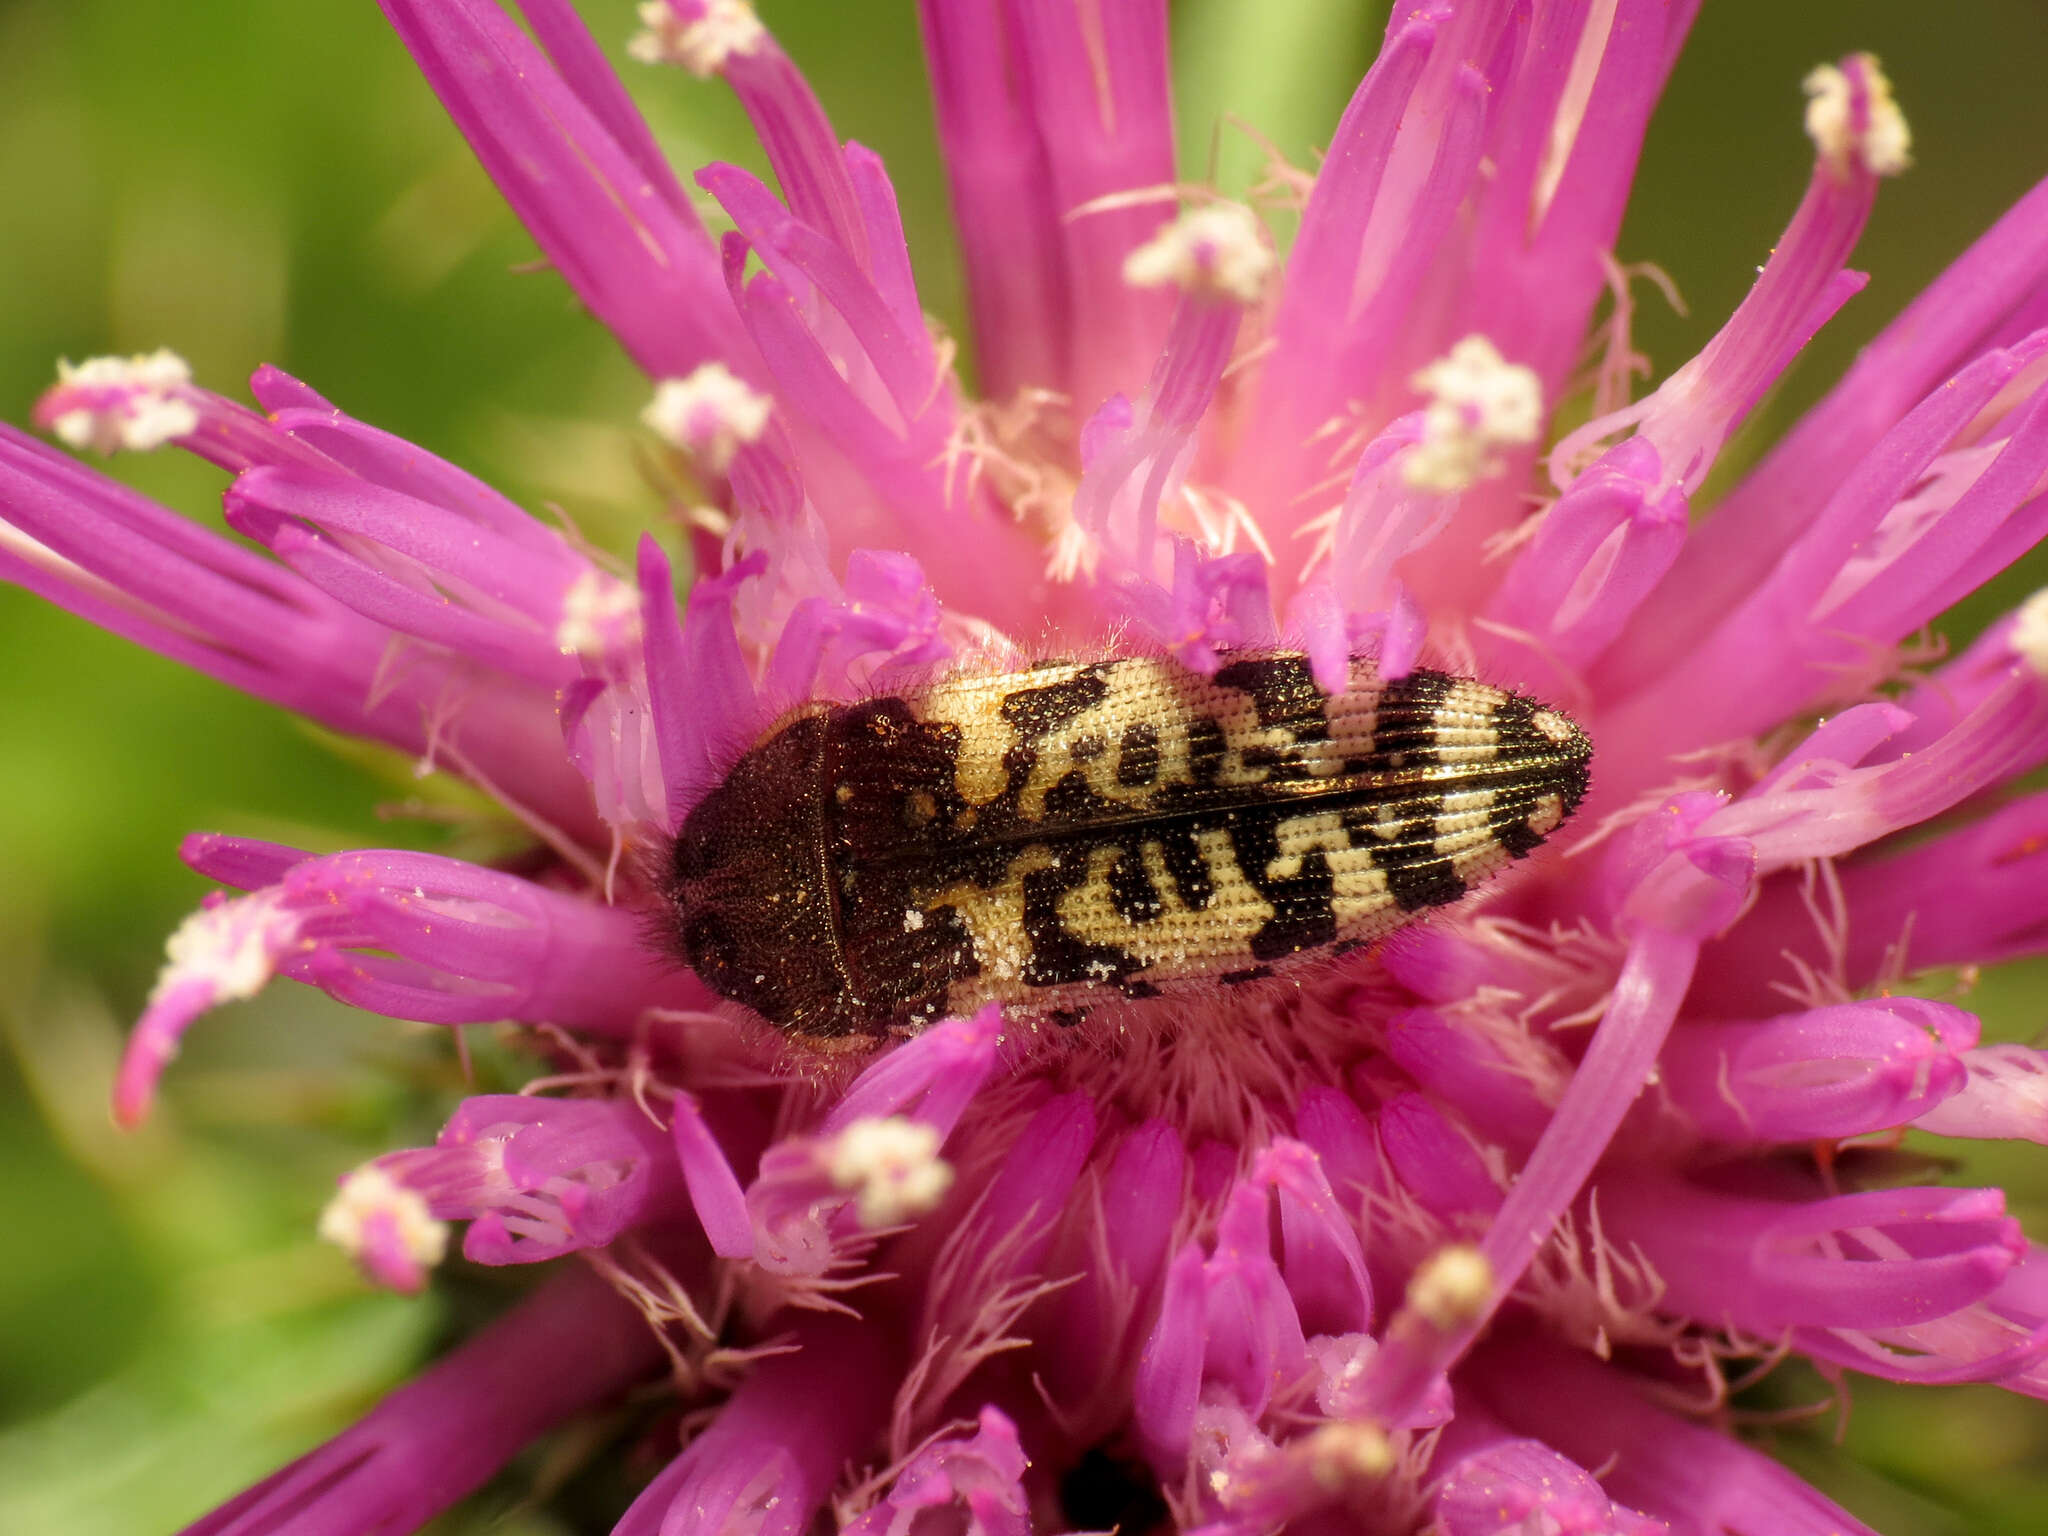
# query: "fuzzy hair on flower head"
1467,1232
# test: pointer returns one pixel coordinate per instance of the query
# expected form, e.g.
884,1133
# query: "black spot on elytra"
1516,837
1405,725
1206,749
1131,891
1070,799
1258,755
1067,1018
1185,867
1422,686
1283,690
1036,712
1304,903
1515,718
1430,882
1138,989
1301,920
1536,764
1137,758
1058,958
1250,974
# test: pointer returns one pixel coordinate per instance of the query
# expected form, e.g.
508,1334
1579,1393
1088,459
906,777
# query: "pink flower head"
1351,1252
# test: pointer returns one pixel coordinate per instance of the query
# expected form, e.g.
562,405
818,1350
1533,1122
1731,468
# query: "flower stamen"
712,413
111,403
1219,251
386,1228
600,615
892,1166
1854,119
1480,403
2029,638
700,35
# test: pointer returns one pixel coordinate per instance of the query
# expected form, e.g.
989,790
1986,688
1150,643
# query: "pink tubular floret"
570,1346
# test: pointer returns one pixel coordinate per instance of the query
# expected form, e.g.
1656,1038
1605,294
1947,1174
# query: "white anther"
893,1167
2029,636
700,35
1479,404
600,614
1882,141
1218,249
712,414
374,1218
105,403
232,947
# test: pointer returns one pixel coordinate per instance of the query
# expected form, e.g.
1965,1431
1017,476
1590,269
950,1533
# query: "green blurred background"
251,181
